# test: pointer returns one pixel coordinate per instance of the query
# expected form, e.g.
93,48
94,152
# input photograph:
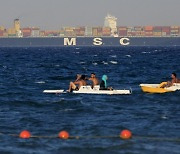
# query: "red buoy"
25,134
63,135
126,134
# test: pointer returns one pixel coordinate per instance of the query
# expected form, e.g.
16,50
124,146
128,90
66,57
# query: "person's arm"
76,82
78,77
89,79
169,83
174,81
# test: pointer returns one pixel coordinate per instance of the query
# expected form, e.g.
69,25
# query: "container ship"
108,35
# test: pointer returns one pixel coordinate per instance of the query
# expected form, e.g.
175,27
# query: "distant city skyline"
54,14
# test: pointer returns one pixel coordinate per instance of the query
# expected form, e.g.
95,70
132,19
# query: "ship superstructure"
111,22
17,28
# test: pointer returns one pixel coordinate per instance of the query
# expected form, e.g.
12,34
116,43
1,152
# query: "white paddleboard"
53,91
89,90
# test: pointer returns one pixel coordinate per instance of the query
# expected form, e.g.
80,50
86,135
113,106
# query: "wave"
40,82
113,62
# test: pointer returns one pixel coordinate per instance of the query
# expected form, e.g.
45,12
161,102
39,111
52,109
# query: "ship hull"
89,41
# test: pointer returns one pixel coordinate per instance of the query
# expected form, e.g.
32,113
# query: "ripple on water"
113,62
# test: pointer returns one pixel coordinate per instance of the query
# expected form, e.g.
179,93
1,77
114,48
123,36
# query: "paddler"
170,83
76,85
103,84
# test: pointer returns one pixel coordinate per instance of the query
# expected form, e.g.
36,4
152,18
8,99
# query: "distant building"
111,21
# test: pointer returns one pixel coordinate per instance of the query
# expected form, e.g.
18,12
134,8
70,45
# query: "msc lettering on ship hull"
97,41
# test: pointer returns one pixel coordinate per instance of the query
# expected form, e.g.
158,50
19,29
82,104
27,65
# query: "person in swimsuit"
174,79
76,85
103,84
170,83
94,80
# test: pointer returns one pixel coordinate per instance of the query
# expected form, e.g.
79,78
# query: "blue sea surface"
154,119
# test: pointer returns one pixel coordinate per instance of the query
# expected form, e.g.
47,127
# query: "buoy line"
124,134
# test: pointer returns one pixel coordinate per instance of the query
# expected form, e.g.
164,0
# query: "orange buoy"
63,135
126,134
25,134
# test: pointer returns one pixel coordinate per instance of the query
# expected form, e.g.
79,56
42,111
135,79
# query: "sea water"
26,72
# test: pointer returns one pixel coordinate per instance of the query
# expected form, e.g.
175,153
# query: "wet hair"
83,77
174,74
93,73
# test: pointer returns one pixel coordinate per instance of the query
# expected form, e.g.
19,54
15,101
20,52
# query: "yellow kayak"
156,88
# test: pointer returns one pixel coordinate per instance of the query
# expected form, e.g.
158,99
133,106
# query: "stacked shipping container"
11,32
148,30
139,31
165,31
97,31
79,31
1,33
122,31
2,29
157,31
51,33
88,31
26,32
174,31
106,31
69,31
35,32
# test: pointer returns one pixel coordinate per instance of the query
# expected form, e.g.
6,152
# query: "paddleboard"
155,88
53,91
89,90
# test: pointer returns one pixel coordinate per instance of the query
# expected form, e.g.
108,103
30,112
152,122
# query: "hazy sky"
53,14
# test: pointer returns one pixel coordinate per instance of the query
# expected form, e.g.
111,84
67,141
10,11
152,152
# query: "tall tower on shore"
111,21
